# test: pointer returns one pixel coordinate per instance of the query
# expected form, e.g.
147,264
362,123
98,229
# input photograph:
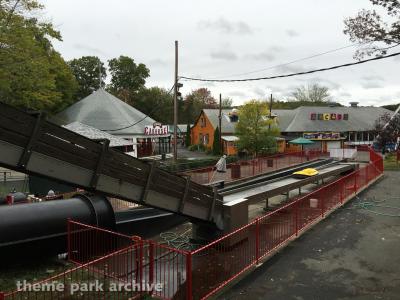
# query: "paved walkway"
353,254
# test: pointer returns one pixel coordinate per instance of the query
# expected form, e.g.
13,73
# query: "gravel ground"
353,254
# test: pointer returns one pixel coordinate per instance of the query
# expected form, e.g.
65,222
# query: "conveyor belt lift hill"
30,144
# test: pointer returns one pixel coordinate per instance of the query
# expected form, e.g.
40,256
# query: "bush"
185,164
192,148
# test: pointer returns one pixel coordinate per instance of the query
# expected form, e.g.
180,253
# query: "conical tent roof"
106,112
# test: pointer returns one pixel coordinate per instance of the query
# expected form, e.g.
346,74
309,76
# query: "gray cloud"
89,49
157,62
276,48
345,95
332,85
371,81
238,94
286,69
372,78
260,92
224,26
371,85
292,33
223,55
264,56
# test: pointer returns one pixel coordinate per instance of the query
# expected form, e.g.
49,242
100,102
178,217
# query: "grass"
30,270
390,163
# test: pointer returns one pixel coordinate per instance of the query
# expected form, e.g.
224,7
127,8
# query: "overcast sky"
220,38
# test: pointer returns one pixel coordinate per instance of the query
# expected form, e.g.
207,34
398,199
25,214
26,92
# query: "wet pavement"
353,254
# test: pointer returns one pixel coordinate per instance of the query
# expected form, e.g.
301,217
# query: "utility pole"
100,83
270,113
220,124
176,103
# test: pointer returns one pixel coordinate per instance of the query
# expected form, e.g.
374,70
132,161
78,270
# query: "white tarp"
343,153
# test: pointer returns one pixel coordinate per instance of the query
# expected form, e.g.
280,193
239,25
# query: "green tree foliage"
254,129
311,93
86,70
226,102
216,149
127,77
392,107
188,139
32,74
292,104
195,101
155,102
376,31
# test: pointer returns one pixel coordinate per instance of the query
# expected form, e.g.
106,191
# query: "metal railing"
252,167
201,273
222,261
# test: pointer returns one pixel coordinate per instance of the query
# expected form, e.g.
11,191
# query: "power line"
290,62
141,120
293,74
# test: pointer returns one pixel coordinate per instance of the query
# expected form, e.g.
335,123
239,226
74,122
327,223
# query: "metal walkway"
283,182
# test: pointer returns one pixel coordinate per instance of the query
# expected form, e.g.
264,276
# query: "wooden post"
176,103
220,124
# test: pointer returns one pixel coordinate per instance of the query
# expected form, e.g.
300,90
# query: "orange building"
203,129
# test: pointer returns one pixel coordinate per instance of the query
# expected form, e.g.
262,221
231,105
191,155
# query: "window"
200,138
206,139
203,122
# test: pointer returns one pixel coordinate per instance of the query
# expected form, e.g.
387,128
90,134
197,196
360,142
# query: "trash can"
270,163
235,171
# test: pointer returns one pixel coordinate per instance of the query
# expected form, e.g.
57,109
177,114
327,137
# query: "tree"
217,142
392,107
387,130
188,139
87,70
155,102
195,101
293,104
311,93
32,74
254,129
226,102
127,77
375,33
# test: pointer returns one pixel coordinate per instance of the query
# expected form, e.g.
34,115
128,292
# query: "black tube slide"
40,228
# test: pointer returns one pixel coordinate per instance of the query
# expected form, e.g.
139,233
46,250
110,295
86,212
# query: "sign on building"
156,129
329,116
322,136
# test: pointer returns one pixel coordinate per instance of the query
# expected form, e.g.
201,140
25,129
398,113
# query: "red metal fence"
260,165
201,273
222,261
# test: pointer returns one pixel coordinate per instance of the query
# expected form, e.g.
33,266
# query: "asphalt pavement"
352,254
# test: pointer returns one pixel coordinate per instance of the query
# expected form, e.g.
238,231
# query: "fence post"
141,280
69,252
341,192
257,240
355,182
151,263
322,206
189,287
296,207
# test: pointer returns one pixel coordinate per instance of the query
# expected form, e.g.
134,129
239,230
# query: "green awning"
301,141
